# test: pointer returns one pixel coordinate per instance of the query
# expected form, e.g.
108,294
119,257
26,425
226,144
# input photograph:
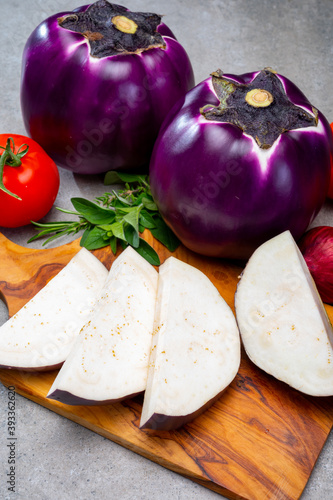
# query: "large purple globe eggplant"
98,82
238,160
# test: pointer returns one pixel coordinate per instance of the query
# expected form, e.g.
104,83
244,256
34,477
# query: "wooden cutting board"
259,441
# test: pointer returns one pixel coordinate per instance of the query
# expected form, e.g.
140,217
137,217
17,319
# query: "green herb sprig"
115,217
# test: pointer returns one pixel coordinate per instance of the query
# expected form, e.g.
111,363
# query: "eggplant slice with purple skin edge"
109,360
282,320
195,352
41,334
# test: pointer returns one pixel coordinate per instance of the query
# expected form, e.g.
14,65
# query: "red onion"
317,248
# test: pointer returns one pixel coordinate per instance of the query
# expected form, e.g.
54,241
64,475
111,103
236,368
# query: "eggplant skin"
220,193
159,422
45,368
68,398
92,115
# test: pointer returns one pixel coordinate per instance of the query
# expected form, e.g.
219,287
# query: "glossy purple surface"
68,398
220,193
93,115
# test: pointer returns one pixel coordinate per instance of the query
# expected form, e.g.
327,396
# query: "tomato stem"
12,159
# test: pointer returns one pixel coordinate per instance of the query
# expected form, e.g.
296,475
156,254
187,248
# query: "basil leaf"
139,197
146,220
149,204
116,217
163,233
113,244
118,204
85,236
132,236
148,253
117,229
132,217
92,239
106,227
123,201
132,178
92,212
113,177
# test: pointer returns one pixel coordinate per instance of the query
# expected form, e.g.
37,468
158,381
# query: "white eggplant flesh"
282,320
41,334
109,361
195,351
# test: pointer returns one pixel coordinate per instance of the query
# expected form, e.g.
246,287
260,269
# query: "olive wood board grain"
260,440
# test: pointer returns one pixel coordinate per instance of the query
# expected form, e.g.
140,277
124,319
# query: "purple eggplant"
98,82
239,160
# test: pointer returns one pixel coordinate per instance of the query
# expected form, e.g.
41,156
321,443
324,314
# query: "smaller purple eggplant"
98,82
239,160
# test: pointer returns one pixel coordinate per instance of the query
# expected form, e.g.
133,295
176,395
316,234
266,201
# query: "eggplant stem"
259,98
122,23
113,30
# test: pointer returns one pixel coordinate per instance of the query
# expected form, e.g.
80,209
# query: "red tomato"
35,181
330,190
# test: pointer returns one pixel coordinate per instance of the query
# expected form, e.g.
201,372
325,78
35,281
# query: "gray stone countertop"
57,458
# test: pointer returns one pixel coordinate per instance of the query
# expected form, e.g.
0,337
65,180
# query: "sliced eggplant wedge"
195,351
282,320
109,361
41,334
